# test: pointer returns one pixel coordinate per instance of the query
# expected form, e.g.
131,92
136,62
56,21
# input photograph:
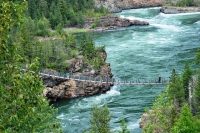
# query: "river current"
143,52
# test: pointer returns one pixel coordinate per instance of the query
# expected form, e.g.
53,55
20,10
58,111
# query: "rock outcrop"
144,118
119,5
79,67
112,22
72,89
175,10
58,88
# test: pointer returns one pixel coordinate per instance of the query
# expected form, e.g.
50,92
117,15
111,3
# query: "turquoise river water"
136,52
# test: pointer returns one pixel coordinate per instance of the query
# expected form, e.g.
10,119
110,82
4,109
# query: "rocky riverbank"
57,88
175,10
111,22
119,5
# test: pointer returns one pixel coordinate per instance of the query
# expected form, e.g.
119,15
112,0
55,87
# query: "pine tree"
27,36
186,123
197,92
100,120
186,77
175,89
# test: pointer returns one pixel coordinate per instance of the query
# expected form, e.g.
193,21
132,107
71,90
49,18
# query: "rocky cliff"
175,10
119,5
58,89
80,67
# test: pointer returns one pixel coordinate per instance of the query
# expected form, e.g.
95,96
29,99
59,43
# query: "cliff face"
119,5
79,67
58,89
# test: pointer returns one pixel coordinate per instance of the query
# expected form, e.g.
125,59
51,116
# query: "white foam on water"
61,116
179,14
164,26
95,100
135,18
133,125
198,22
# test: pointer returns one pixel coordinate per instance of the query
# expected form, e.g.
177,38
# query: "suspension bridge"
105,80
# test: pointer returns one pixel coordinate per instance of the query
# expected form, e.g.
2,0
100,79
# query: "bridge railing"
137,81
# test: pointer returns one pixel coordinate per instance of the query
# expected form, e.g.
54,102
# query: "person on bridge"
159,79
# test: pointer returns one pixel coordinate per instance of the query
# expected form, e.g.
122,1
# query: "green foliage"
42,27
91,54
80,20
87,47
59,29
186,77
27,36
100,120
97,21
197,94
197,61
185,3
176,91
94,25
162,118
123,127
186,123
64,12
97,62
23,108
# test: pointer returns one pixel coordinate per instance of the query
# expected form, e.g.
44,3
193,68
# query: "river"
136,52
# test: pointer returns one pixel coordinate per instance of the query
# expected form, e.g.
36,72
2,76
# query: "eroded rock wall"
72,89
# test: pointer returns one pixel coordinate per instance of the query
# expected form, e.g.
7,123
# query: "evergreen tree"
80,20
197,93
197,61
27,36
43,27
175,89
43,8
100,120
186,123
186,77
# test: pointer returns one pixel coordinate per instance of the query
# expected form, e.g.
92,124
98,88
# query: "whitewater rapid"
136,52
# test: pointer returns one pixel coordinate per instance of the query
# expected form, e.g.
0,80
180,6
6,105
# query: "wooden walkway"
104,80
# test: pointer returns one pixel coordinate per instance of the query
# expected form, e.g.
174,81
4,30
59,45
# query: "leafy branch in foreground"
23,108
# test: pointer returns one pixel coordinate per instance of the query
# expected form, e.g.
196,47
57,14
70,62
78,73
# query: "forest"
44,19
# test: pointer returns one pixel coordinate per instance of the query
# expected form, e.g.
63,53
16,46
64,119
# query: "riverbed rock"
119,5
175,10
112,22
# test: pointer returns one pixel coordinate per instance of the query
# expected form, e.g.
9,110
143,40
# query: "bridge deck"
105,80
